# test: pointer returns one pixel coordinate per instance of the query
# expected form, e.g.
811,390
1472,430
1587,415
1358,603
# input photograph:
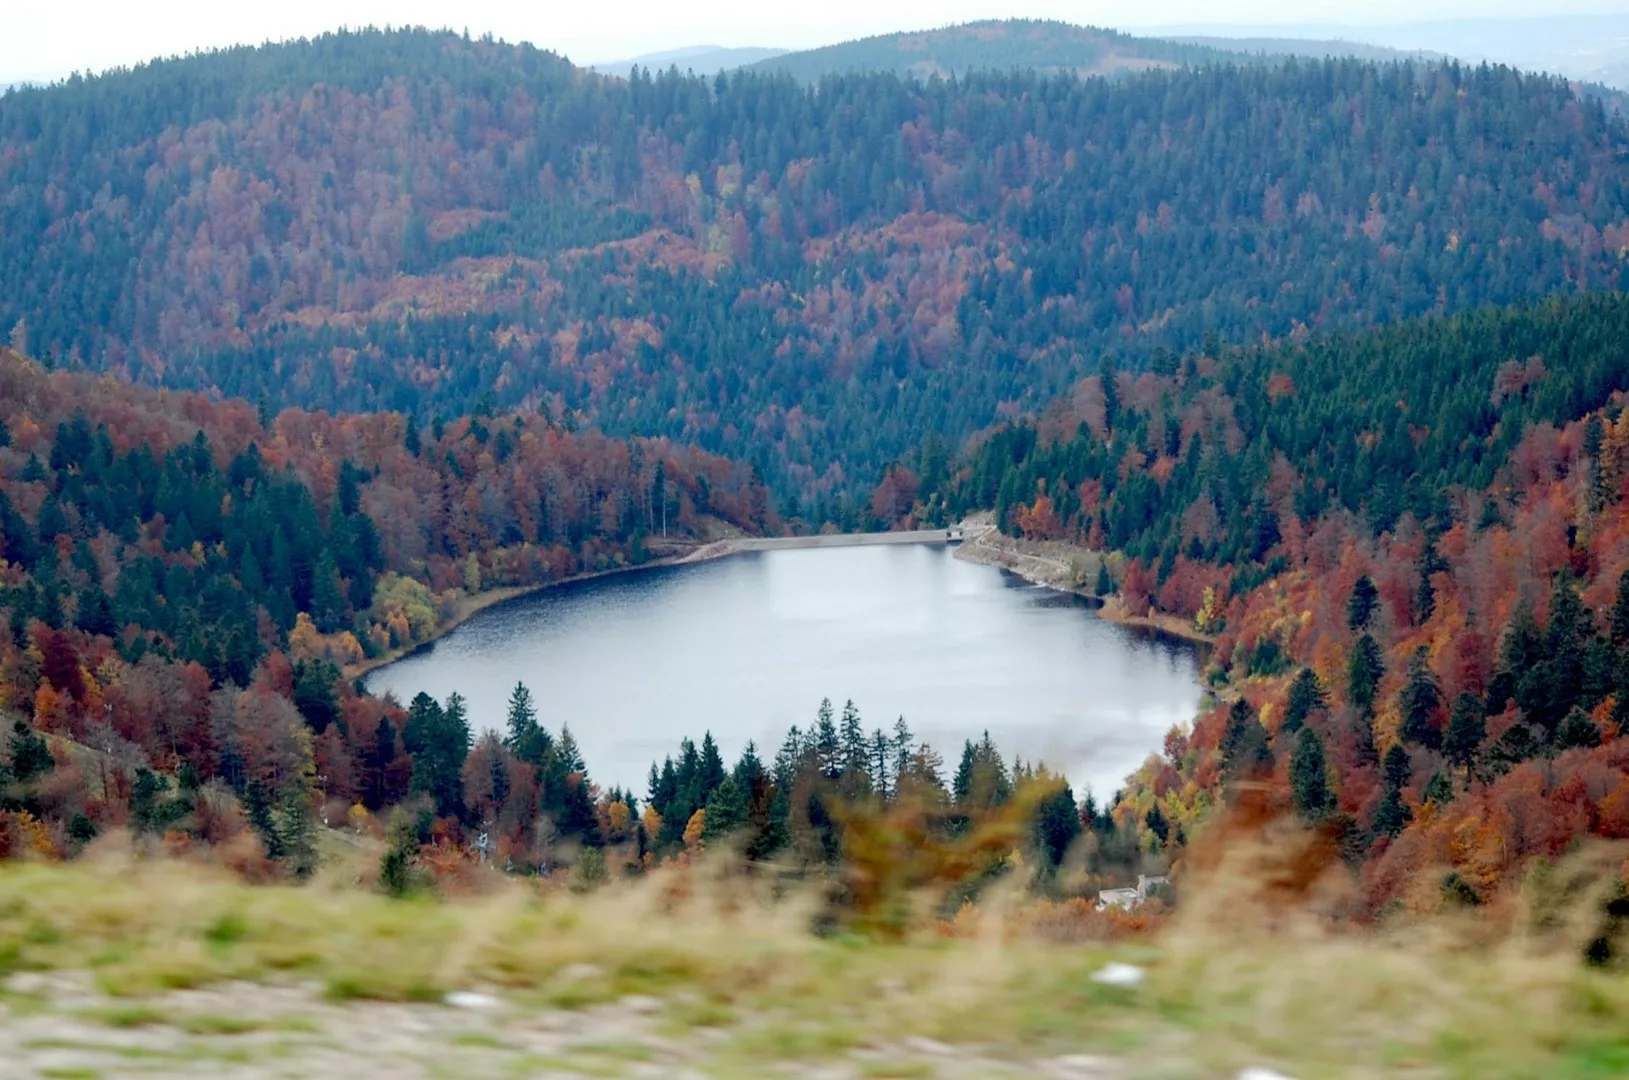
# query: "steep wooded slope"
808,279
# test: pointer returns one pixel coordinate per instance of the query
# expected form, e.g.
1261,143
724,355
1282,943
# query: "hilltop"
701,59
420,222
1037,45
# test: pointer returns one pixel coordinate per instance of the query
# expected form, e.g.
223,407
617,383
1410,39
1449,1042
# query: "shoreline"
471,605
1005,553
1040,567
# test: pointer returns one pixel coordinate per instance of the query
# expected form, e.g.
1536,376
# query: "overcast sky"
44,39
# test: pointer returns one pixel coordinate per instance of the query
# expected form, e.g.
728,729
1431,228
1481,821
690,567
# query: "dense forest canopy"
206,533
1200,455
313,343
1409,547
806,277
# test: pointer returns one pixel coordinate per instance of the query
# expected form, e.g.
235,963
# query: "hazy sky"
42,39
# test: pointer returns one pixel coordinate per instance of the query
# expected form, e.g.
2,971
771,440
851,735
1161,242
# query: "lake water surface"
748,645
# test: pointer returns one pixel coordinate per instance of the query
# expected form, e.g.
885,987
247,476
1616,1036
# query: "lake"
747,646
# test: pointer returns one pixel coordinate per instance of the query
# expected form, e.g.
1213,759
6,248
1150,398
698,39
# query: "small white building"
1128,898
1124,899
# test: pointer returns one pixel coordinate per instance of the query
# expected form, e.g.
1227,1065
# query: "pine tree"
1057,824
962,786
1309,776
827,746
571,759
297,831
30,755
1439,790
1306,697
1397,768
1158,824
855,752
1365,669
879,767
711,773
789,759
1392,814
398,865
1360,606
1577,730
1467,728
1244,743
439,740
726,810
903,746
749,774
1419,701
526,738
1108,377
1620,612
1105,584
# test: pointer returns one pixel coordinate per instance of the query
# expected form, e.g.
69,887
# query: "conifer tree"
855,752
1467,728
30,755
827,746
1306,697
1309,776
1360,606
726,810
1392,813
1418,703
711,771
1365,669
1577,730
1057,824
903,746
1244,742
526,738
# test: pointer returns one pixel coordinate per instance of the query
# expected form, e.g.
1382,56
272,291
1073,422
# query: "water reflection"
747,646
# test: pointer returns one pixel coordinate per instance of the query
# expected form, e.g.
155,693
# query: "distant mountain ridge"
701,59
1593,48
1044,46
808,282
1311,48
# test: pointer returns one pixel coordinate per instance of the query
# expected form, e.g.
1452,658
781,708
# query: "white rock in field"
469,999
1084,1067
1262,1074
1118,974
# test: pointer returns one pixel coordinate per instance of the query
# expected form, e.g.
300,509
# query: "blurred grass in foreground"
1228,984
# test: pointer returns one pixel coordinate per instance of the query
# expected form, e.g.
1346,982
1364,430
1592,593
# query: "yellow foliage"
50,708
1209,619
692,829
621,819
304,641
22,834
406,606
892,854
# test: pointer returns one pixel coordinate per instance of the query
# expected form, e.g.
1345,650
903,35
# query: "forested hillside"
158,551
1411,546
806,278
